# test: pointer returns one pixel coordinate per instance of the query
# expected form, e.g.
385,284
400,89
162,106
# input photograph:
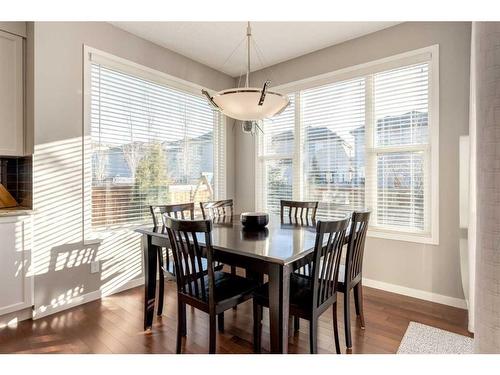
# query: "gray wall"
427,268
61,259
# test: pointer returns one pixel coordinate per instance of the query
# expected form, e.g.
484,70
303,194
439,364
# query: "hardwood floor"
114,325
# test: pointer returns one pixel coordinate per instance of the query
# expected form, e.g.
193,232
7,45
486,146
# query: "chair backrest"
296,212
327,257
172,210
356,245
217,209
188,257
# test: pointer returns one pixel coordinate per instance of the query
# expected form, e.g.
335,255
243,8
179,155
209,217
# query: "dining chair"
183,210
351,274
307,218
217,209
212,292
221,212
311,296
298,217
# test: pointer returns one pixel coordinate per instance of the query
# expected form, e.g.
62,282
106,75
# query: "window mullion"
260,182
370,165
297,163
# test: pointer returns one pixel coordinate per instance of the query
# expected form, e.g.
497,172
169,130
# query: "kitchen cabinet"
11,95
16,278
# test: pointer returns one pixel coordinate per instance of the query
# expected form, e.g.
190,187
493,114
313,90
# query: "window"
365,138
278,149
332,124
150,144
401,107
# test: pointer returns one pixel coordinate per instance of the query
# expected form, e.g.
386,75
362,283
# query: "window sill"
423,238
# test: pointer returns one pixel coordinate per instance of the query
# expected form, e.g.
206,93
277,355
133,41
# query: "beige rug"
424,339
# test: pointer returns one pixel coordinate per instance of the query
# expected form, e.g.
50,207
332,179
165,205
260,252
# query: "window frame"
91,56
429,55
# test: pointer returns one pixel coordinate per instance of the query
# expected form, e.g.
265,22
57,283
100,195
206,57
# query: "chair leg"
233,272
213,334
336,329
183,320
296,323
356,302
358,298
347,319
220,322
181,324
257,327
313,335
161,289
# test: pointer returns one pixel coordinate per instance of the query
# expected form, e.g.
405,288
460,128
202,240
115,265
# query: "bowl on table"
254,220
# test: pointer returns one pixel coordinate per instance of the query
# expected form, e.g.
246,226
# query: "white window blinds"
151,144
332,125
401,108
365,142
277,155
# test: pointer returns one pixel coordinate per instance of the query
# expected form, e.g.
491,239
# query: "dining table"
275,250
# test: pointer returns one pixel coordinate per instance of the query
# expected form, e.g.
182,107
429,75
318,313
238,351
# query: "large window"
277,151
150,144
332,124
367,139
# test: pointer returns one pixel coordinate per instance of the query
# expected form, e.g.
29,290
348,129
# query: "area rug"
424,339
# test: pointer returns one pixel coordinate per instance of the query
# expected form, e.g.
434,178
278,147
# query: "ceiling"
212,43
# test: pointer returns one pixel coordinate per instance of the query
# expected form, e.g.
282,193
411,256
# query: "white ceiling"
211,43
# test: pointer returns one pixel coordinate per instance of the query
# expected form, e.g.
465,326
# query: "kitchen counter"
15,211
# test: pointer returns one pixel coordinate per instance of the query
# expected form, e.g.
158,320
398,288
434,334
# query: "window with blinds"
401,107
277,151
332,125
359,143
151,144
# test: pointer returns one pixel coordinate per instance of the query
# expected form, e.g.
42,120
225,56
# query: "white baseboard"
13,318
398,289
416,293
84,298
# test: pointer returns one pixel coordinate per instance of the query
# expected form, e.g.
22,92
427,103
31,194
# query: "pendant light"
248,103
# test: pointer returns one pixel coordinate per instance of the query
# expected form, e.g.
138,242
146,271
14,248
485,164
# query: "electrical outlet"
95,267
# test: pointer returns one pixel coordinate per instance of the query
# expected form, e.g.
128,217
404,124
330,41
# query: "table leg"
150,269
279,296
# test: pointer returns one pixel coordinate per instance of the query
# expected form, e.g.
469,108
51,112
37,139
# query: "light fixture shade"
243,103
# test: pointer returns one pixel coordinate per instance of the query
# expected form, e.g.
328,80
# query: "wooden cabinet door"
16,280
11,95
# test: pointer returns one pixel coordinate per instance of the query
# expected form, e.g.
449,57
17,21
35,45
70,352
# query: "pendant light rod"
249,35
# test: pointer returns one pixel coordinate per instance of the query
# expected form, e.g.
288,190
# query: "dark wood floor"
114,325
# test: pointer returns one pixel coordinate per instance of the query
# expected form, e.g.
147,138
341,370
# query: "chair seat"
227,286
300,292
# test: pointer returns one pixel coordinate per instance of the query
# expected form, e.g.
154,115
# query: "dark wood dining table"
276,251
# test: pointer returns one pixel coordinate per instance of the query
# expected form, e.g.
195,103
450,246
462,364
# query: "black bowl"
254,220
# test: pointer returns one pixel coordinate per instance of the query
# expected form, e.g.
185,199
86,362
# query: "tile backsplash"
16,174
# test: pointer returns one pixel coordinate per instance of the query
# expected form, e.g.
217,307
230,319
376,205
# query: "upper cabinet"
11,95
